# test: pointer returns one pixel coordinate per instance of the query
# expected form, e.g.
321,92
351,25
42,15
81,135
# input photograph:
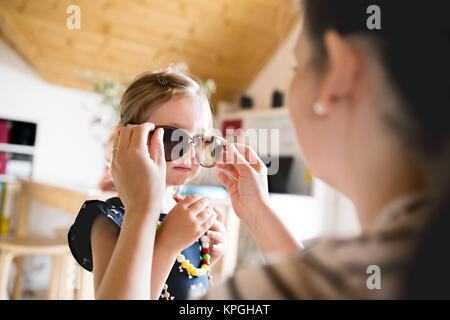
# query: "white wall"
67,152
338,215
277,73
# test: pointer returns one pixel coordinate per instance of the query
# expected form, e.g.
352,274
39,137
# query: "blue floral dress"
180,285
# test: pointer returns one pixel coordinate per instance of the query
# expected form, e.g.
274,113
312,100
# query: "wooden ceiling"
226,40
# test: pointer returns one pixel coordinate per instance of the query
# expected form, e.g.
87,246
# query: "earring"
319,109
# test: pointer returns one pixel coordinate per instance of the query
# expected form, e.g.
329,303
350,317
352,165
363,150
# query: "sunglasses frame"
194,140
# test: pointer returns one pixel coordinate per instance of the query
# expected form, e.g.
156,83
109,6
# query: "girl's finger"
218,227
220,214
198,206
204,215
218,248
157,147
218,237
115,143
208,223
139,138
189,200
124,138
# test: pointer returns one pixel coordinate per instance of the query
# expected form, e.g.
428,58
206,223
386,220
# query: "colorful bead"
184,264
206,262
194,272
204,239
206,257
177,197
205,251
189,268
180,258
165,286
204,266
166,295
205,245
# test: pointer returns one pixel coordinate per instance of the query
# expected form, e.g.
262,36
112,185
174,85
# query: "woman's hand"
186,222
139,170
250,199
248,189
218,236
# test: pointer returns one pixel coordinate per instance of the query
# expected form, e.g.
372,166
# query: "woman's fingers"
230,169
240,154
250,155
226,181
237,160
139,139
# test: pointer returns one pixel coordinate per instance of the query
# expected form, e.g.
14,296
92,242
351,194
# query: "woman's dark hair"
413,46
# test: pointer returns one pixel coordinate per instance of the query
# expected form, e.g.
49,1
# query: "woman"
366,105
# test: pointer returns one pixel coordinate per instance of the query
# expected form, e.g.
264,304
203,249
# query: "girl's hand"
139,170
248,189
218,236
186,222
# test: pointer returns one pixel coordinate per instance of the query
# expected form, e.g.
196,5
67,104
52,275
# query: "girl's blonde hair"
152,89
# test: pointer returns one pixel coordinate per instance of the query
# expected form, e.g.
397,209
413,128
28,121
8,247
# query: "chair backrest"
62,199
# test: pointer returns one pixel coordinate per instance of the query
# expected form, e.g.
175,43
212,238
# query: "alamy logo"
74,20
374,280
374,20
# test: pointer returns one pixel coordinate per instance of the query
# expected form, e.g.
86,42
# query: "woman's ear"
340,76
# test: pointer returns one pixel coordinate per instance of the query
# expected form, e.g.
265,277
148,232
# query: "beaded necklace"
191,271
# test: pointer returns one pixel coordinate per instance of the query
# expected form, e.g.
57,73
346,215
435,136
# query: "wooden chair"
20,243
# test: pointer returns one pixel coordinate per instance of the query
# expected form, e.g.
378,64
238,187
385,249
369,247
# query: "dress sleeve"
79,236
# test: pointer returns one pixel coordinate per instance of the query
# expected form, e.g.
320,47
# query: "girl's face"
193,115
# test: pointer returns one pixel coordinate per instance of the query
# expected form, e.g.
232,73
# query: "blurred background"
63,67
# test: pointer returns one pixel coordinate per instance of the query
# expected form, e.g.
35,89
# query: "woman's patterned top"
371,265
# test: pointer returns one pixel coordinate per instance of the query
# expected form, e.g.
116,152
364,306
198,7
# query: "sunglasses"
177,142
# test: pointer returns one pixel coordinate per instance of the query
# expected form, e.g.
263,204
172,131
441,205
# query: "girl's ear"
340,77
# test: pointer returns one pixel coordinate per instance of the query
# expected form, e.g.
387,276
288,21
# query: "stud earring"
319,109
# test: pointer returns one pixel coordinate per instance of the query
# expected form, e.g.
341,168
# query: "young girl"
191,237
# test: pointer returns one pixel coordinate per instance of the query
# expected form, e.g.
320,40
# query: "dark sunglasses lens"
176,143
209,151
